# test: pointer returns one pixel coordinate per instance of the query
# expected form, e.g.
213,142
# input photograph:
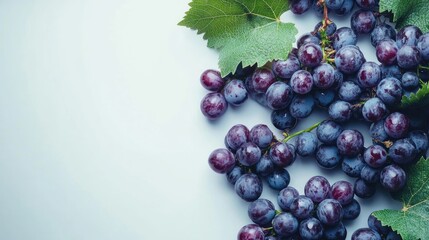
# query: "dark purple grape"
262,79
408,57
369,75
301,82
389,90
235,92
329,212
340,111
301,207
328,156
317,189
237,136
390,71
362,21
285,68
221,160
393,178
261,212
265,166
376,225
363,189
408,35
352,166
306,144
324,98
410,81
283,120
381,32
396,125
213,105
286,196
323,76
328,131
282,154
352,210
233,175
251,231
261,135
285,224
310,55
334,4
367,4
375,156
311,229
403,151
307,38
248,187
420,140
349,91
329,30
342,191
278,179
386,51
337,232
279,95
392,235
345,8
349,59
365,234
374,110
301,106
377,132
423,46
350,142
370,175
212,80
300,6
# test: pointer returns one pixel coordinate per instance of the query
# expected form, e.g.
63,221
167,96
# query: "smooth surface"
101,136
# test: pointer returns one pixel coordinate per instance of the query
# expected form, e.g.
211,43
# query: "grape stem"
289,137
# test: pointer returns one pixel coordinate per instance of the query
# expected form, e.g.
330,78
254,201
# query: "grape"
365,234
342,191
235,92
317,189
393,178
301,207
221,160
307,38
381,32
323,76
212,80
328,156
376,225
301,106
233,175
265,166
285,68
377,132
345,8
352,166
403,151
410,81
306,144
301,82
408,35
408,57
363,189
350,142
420,140
328,131
278,179
213,105
334,4
330,212
248,187
251,231
369,75
310,55
344,36
329,31
286,196
389,90
283,120
374,110
279,95
370,175
392,235
396,125
349,91
349,59
262,79
261,135
300,6
363,21
323,98
423,46
386,51
285,224
340,111
237,136
282,154
310,229
261,212
390,71
351,211
337,232
375,156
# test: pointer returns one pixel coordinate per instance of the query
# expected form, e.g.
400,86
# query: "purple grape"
408,35
248,154
339,79
279,95
374,110
369,75
375,156
381,32
410,81
286,196
329,31
390,71
261,135
262,79
350,142
337,232
363,189
324,98
317,189
285,224
283,120
340,111
323,76
328,156
307,38
329,212
233,175
282,154
278,179
212,80
310,55
301,207
377,132
310,229
349,59
251,231
376,225
408,57
363,21
285,68
345,8
237,136
349,91
351,211
300,6
328,131
334,4
393,178
403,151
301,106
420,140
370,175
365,234
213,105
235,92
352,166
342,191
396,125
386,51
389,90
265,166
423,46
261,212
221,160
301,82
248,187
306,144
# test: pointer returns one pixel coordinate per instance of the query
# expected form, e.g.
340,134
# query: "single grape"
328,131
366,234
349,91
423,46
344,36
262,79
345,8
334,4
233,175
265,166
248,187
389,90
306,144
301,82
363,189
352,210
307,38
381,32
375,156
340,111
235,92
352,166
300,6
370,175
374,110
369,75
286,196
323,76
212,80
329,31
329,212
278,179
283,120
386,51
342,191
285,68
285,224
261,212
301,106
410,81
403,151
377,132
279,95
282,154
251,231
311,229
310,55
301,207
261,135
213,105
324,98
349,59
328,156
376,225
420,140
221,160
396,125
393,178
317,189
408,57
363,21
350,142
408,35
337,232
237,136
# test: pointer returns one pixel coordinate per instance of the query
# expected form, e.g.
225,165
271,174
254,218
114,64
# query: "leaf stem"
289,137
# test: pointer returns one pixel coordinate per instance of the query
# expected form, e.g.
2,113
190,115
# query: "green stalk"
301,132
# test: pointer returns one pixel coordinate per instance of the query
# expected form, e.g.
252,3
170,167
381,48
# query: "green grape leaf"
407,12
419,99
412,221
246,31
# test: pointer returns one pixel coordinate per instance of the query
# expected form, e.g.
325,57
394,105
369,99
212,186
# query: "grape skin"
381,32
301,207
213,105
286,196
311,228
423,46
251,231
329,212
285,68
342,191
340,111
261,212
261,135
282,154
352,210
350,142
408,57
344,36
221,160
408,35
374,110
285,224
328,156
279,95
369,75
317,189
396,125
362,21
282,119
365,234
386,51
306,144
301,82
349,91
300,6
349,59
375,156
235,92
389,90
310,55
323,76
278,179
393,178
212,80
249,187
301,106
363,189
352,166
237,136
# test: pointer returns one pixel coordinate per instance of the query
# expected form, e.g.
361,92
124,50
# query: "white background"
101,136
